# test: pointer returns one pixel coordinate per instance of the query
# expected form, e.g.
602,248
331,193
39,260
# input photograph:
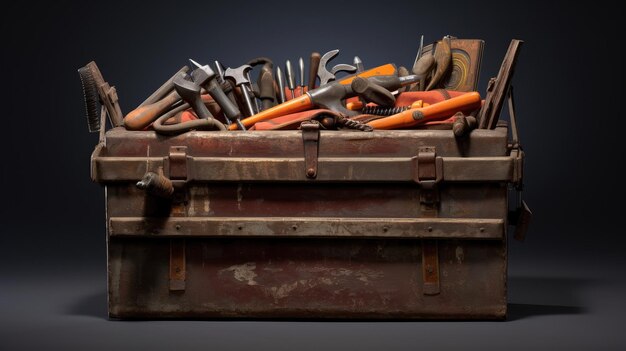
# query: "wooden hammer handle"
417,116
141,117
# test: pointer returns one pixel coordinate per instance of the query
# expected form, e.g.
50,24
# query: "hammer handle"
141,117
314,65
417,116
298,104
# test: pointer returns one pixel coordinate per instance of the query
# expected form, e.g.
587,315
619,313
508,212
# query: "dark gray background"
566,281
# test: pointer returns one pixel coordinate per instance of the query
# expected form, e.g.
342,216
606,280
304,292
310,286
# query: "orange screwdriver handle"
298,104
417,116
143,116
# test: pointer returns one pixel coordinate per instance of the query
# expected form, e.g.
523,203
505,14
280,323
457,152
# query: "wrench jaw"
324,74
202,74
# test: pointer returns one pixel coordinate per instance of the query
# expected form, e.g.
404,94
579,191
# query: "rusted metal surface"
307,278
441,228
288,144
395,224
364,169
350,200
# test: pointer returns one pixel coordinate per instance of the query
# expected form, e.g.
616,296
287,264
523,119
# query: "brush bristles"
90,92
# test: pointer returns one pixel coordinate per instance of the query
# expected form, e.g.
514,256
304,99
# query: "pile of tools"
438,92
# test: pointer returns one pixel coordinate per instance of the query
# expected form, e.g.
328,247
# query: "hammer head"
201,74
239,74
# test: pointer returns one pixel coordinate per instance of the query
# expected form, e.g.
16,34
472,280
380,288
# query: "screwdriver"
291,80
301,64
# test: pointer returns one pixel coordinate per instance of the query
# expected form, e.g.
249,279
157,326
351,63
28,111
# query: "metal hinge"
310,138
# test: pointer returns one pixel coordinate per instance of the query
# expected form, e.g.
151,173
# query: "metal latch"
176,165
310,138
427,172
166,180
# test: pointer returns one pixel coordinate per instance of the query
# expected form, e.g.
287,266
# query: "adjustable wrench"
324,74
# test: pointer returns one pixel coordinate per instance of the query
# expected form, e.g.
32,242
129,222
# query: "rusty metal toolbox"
309,224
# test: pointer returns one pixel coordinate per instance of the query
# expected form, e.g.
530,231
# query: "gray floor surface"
563,303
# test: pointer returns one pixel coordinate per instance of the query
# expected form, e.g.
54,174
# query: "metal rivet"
310,172
178,227
294,227
482,229
430,229
240,227
385,229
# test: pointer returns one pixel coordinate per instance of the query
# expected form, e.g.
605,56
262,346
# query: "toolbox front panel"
306,278
295,277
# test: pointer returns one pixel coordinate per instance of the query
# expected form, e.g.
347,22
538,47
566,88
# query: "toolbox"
309,223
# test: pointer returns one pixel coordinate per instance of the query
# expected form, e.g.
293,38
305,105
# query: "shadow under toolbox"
309,224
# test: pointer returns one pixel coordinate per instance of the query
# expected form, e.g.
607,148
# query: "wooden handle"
313,66
298,104
417,116
141,117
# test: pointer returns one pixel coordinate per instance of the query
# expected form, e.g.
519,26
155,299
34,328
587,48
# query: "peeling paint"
365,275
460,255
326,281
283,290
207,204
243,272
271,269
239,196
340,272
